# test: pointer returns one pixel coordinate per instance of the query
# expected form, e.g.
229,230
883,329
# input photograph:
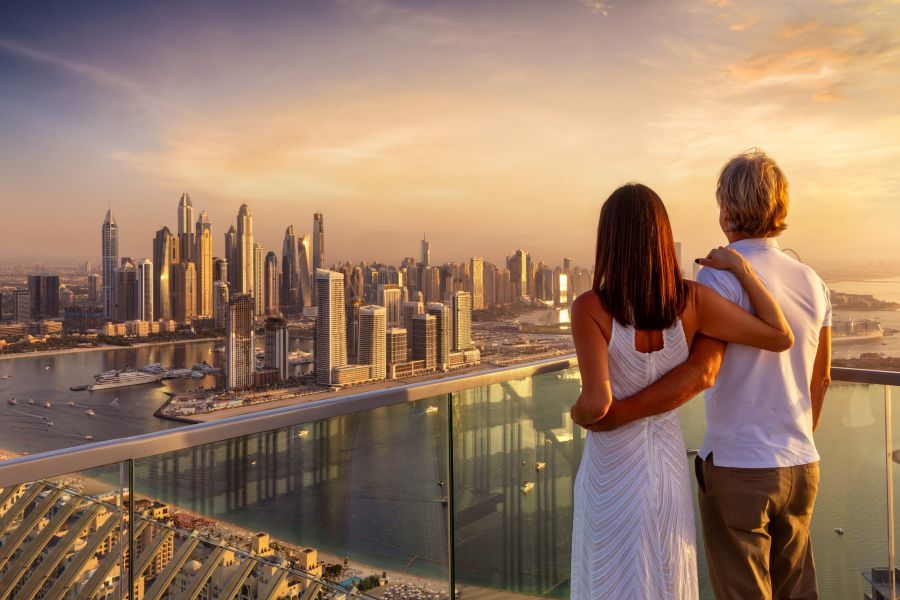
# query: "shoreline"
105,347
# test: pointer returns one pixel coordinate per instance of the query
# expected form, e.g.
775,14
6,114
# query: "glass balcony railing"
462,485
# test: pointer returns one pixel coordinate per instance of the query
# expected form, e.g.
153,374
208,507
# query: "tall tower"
145,290
518,269
390,296
186,227
443,339
231,257
243,271
126,297
462,321
331,329
110,242
277,347
318,241
353,308
426,252
220,303
290,290
423,339
162,293
397,348
259,279
305,270
270,284
240,353
184,287
373,340
476,269
203,260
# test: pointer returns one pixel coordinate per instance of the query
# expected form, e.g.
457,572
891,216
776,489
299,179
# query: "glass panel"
347,500
515,458
64,537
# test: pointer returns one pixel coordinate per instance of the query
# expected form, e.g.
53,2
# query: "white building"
331,328
462,321
373,340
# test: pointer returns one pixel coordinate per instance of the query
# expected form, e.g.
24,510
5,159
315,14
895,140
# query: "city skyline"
474,123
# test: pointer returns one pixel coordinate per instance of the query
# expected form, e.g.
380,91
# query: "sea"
371,486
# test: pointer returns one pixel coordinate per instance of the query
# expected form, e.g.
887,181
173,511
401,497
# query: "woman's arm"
724,320
593,354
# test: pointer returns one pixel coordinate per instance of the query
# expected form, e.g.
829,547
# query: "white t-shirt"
759,412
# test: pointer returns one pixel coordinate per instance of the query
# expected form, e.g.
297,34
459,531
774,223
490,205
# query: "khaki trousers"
756,530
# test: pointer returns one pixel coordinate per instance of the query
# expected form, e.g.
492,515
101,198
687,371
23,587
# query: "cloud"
600,7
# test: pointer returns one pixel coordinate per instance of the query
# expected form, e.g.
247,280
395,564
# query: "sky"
489,125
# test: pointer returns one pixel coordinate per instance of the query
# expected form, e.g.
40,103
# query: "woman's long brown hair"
636,274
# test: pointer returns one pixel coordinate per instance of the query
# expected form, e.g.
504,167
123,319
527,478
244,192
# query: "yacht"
431,409
5,376
89,412
12,401
31,401
47,404
154,368
88,437
123,378
856,330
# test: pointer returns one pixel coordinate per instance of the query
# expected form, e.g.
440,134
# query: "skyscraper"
271,284
203,259
220,303
21,312
476,273
390,297
353,307
462,321
220,270
318,241
110,242
331,332
240,354
518,268
184,291
94,294
396,347
426,252
372,340
259,279
424,338
305,271
126,293
44,296
244,251
277,347
186,227
231,258
145,290
443,332
163,248
409,309
290,288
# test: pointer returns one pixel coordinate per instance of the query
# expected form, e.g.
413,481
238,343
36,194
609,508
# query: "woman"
633,534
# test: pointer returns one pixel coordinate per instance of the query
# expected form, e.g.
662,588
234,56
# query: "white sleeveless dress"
633,534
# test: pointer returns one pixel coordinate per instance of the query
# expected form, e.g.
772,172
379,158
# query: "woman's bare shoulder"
586,308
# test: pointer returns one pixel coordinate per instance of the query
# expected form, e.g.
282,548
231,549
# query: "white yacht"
123,378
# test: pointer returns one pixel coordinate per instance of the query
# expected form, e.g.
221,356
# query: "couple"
648,341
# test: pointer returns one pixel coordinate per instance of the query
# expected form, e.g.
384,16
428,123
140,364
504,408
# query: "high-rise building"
424,339
409,309
220,270
390,297
270,285
244,251
164,245
357,285
426,252
353,307
93,288
305,271
184,291
518,268
203,260
145,290
240,354
126,293
277,346
44,290
443,328
431,285
476,274
290,285
110,251
462,321
186,228
220,303
259,279
331,329
373,339
396,347
231,258
318,236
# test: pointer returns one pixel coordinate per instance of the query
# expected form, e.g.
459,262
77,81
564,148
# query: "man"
758,469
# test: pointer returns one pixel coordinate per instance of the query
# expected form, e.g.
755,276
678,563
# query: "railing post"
451,490
131,556
889,483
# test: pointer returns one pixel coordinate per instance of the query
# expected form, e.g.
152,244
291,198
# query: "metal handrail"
66,461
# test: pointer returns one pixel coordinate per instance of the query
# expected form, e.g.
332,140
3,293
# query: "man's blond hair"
754,193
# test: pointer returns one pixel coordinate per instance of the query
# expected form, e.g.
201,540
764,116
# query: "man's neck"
736,236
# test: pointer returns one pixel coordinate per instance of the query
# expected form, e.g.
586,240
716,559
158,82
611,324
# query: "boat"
88,437
49,423
444,500
204,368
47,404
31,401
47,368
539,466
839,530
89,412
12,401
123,378
856,330
5,376
155,368
527,487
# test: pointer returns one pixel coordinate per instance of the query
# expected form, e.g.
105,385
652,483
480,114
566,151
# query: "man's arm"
821,375
679,385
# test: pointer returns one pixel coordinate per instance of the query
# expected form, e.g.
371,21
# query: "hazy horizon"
489,126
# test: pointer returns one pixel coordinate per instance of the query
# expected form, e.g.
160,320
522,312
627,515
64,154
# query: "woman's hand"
724,259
